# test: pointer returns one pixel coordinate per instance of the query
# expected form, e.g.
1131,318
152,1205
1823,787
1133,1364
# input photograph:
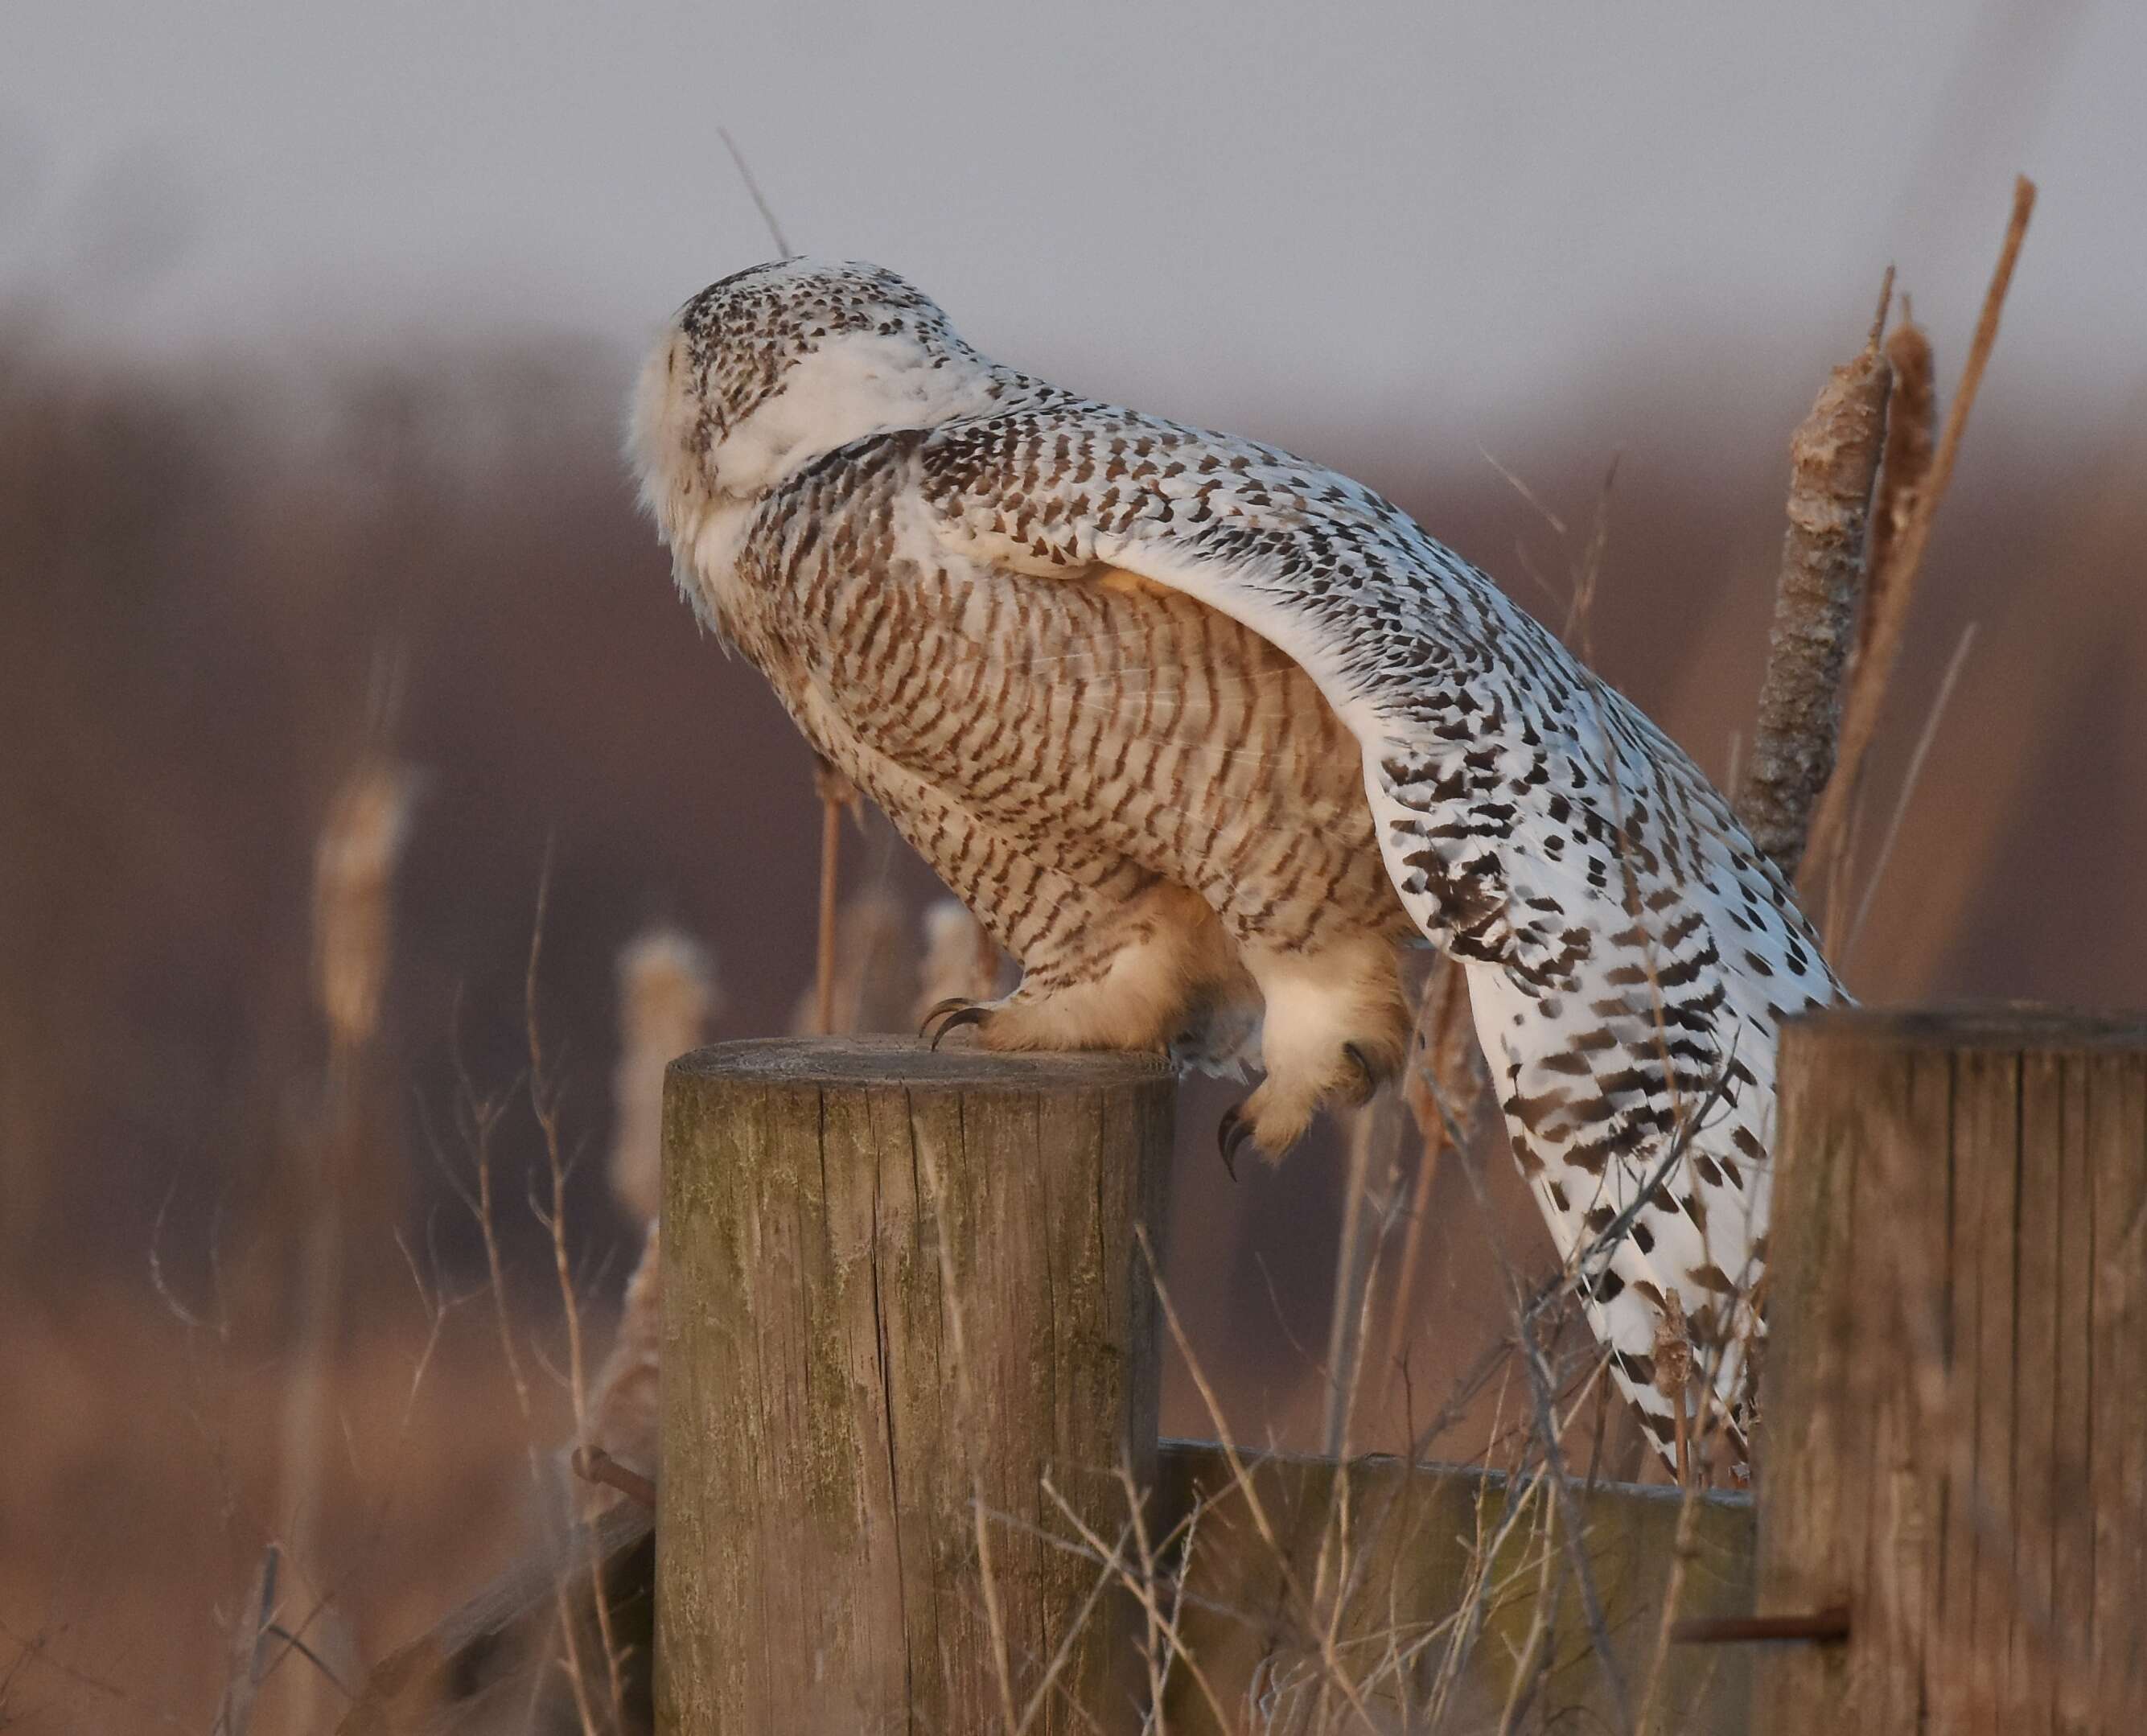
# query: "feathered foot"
1337,1029
1276,1115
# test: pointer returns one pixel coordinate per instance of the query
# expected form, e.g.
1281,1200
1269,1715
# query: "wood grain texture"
1956,1385
901,1290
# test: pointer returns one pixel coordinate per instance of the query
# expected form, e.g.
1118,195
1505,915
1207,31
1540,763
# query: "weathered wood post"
1955,1390
902,1289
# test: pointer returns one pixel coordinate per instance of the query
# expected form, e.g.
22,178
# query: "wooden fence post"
1954,1397
901,1290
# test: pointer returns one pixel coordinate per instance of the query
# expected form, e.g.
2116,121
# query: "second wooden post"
904,1303
1955,1395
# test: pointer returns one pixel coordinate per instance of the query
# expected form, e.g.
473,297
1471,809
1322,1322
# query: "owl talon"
1231,1133
968,1014
940,1010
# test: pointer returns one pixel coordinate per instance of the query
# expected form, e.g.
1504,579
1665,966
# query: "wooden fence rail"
496,1663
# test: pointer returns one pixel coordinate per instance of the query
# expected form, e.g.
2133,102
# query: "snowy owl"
1205,734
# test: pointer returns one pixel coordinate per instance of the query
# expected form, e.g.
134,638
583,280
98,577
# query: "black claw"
1232,1132
953,1003
968,1014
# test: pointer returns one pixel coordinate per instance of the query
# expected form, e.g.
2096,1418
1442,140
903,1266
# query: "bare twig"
1909,780
752,191
544,1102
1443,1049
480,1118
254,1620
835,793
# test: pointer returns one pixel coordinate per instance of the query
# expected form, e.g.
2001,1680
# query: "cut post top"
864,1061
1984,1025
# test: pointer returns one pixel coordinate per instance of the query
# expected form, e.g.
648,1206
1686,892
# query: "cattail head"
353,878
667,996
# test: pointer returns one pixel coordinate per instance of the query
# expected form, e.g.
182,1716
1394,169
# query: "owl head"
778,364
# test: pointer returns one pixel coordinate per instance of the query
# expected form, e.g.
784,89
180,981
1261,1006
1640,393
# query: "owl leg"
1160,974
1336,1029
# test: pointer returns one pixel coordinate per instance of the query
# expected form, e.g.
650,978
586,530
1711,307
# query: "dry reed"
1446,1067
353,881
1865,702
836,794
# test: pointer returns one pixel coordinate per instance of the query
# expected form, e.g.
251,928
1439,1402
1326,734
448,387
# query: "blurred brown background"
313,342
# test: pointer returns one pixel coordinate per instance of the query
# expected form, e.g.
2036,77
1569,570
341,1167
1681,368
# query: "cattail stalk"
353,884
835,793
1875,668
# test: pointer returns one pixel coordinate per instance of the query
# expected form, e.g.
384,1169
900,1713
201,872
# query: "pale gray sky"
1438,216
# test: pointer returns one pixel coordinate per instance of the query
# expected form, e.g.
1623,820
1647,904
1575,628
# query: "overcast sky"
1433,214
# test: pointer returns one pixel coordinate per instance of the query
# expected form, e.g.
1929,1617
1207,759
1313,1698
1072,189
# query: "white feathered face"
779,363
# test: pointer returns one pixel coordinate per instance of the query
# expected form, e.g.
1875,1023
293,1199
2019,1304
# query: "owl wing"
1630,954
